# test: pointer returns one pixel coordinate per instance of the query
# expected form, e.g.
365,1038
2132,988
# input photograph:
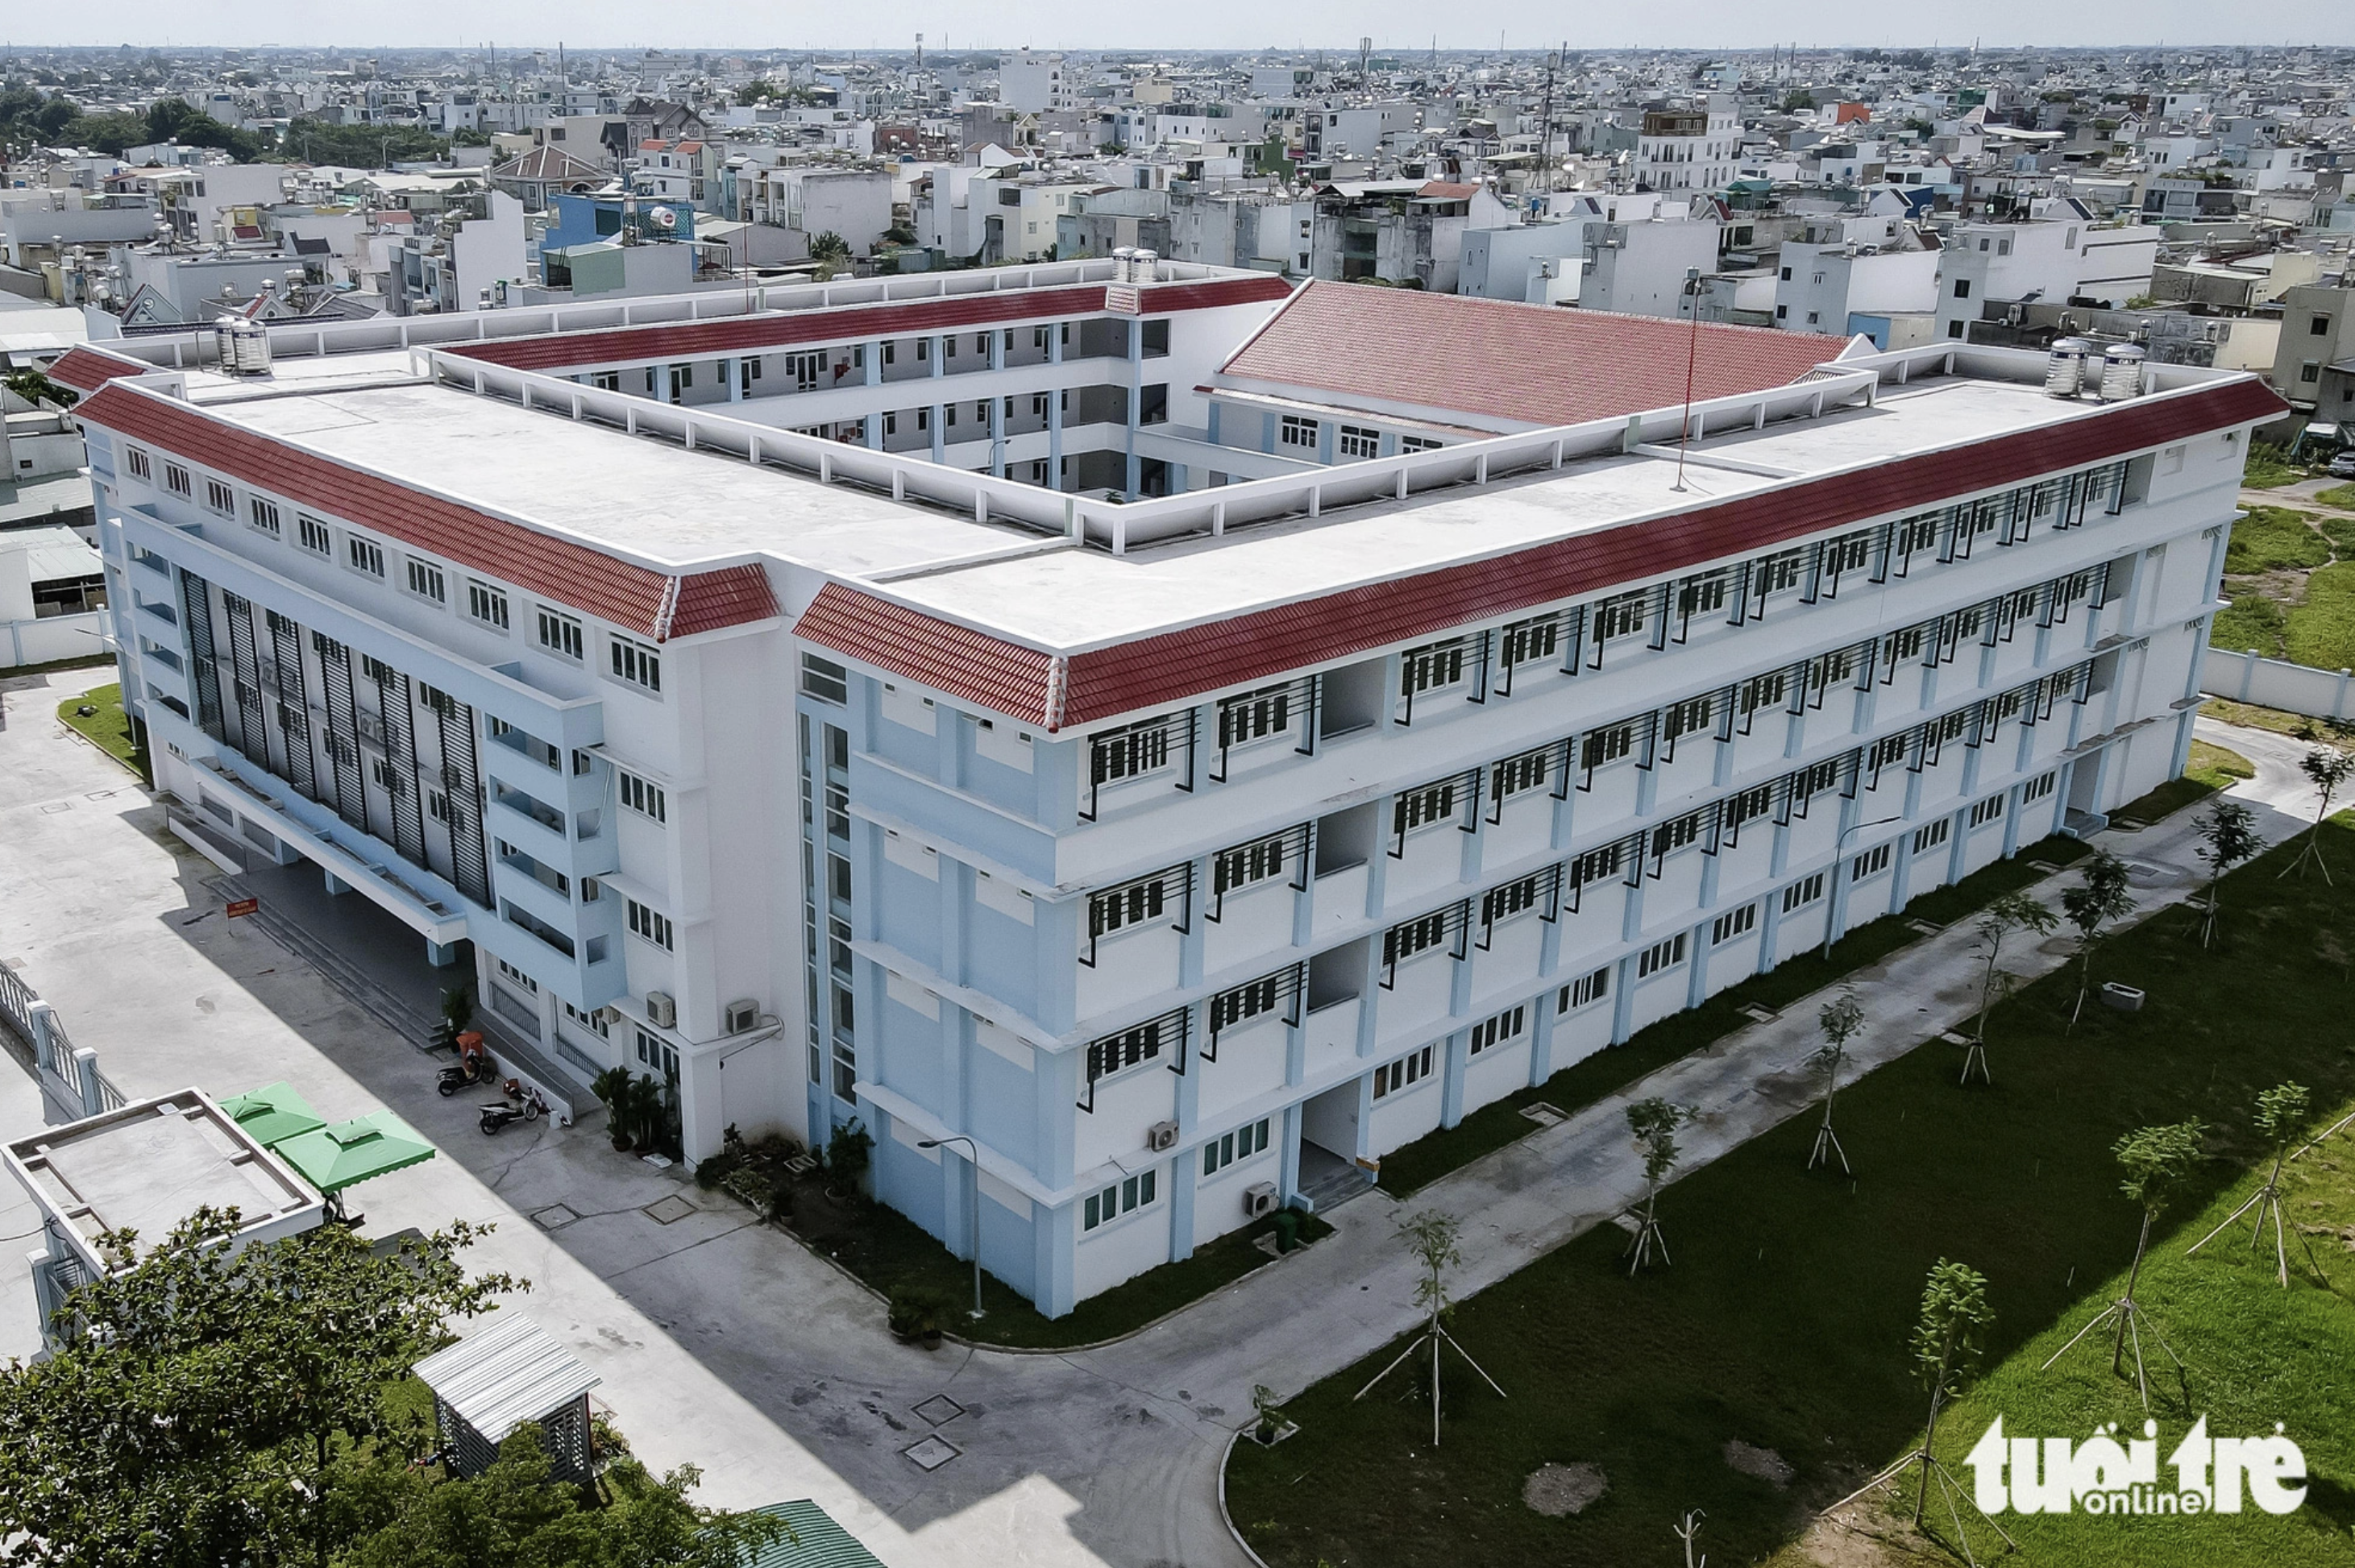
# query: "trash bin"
2124,998
1287,1229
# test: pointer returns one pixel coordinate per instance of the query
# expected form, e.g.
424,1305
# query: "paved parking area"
726,1343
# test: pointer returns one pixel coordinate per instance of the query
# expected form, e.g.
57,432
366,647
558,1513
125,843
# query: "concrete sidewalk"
727,1344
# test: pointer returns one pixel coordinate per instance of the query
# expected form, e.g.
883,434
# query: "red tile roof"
1003,677
571,573
1531,364
1448,190
86,369
844,323
1163,670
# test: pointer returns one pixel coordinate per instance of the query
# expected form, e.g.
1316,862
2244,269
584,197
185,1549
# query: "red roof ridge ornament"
665,608
1059,685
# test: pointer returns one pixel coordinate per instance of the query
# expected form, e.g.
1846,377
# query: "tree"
2157,1162
198,1410
2228,836
1653,1123
2328,769
2012,912
514,1512
1949,1338
2104,897
1431,1238
36,388
2280,1116
1841,1019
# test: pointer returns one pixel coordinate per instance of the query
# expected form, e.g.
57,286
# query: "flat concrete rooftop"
647,497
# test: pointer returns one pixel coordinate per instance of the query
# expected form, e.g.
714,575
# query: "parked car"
2343,466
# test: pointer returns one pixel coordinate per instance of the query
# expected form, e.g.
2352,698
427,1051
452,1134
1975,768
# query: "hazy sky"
1394,25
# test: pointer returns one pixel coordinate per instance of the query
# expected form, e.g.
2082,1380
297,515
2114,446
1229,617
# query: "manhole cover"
554,1217
932,1452
668,1211
1955,1037
1927,928
1542,1114
2046,866
54,807
1761,1014
939,1410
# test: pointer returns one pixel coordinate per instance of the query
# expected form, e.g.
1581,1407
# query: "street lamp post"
1840,858
974,1231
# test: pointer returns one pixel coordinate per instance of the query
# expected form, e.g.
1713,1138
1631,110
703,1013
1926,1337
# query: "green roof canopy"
822,1544
333,1158
273,1113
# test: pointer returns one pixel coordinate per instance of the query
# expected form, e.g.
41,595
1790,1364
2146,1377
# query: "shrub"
2273,539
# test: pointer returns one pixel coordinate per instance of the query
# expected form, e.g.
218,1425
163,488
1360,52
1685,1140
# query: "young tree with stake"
2158,1161
2281,1113
1654,1123
1841,1019
1431,1237
2012,912
1949,1338
2228,836
2328,769
2104,897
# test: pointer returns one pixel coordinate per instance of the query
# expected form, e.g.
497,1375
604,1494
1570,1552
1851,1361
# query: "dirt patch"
1556,1491
1763,1464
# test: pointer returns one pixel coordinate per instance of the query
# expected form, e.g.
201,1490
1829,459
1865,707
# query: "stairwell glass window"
1119,908
639,796
1124,1198
1394,1076
634,664
1871,862
1622,615
486,604
1255,715
1987,811
1664,954
1930,835
1802,893
363,556
219,498
1240,1144
425,581
1247,864
136,461
1732,924
649,924
559,633
313,535
175,478
1431,669
1422,808
1586,988
264,515
1502,1030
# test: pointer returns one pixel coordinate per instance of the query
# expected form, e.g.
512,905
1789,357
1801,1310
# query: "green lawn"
2321,631
2341,497
2208,769
2269,468
2249,716
108,728
2251,620
1411,1168
1782,1323
890,1251
2275,539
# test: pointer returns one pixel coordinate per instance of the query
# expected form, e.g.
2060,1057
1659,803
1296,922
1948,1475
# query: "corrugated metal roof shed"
508,1373
822,1544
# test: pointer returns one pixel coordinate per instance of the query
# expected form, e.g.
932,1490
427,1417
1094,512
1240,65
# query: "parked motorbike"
524,1104
474,1065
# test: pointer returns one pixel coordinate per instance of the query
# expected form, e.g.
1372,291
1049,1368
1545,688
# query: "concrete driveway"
726,1343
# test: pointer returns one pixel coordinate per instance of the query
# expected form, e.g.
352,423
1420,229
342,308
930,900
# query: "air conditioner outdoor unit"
742,1016
1259,1198
610,1014
662,1010
1161,1136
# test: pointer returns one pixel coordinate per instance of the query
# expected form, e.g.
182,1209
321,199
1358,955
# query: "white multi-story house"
1129,866
1689,149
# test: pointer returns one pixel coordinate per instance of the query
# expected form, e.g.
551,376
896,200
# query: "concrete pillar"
85,1077
335,885
442,955
733,369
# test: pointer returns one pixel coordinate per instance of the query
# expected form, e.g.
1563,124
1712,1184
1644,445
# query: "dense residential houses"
1144,740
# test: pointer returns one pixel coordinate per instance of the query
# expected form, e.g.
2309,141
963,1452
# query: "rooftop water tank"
242,345
2065,366
2121,372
